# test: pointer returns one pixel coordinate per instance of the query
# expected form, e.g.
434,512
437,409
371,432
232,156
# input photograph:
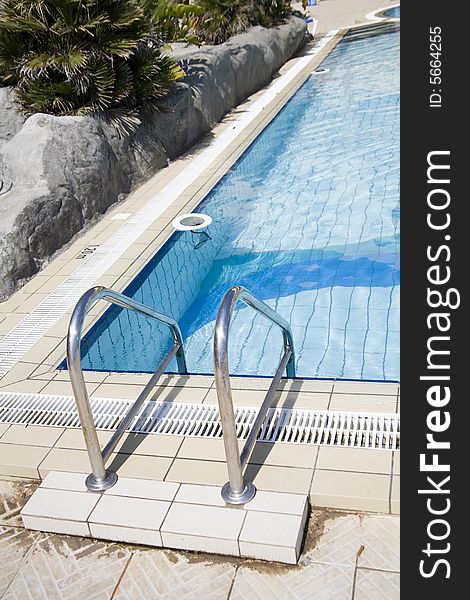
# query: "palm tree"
174,21
72,57
222,18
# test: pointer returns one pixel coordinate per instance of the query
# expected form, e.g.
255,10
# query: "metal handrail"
101,479
236,490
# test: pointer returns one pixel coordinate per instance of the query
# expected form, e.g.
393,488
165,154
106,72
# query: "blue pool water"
393,12
308,220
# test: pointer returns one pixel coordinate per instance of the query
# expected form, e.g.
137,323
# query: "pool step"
370,30
171,515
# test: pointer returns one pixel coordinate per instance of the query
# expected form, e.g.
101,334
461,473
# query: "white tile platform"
171,515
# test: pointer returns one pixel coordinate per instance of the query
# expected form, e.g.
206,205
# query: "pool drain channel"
285,425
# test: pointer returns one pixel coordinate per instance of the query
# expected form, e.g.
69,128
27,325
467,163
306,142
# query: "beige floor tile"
33,386
371,585
354,491
187,381
120,266
31,302
381,540
396,463
294,455
19,372
362,460
139,379
90,376
72,439
163,394
365,387
115,390
134,251
306,400
21,461
64,388
32,435
140,466
288,455
195,395
10,322
43,350
240,397
202,449
197,471
60,504
131,443
3,428
123,511
207,521
43,371
50,283
151,444
250,383
59,459
10,305
395,496
280,479
150,489
266,477
322,386
36,282
363,403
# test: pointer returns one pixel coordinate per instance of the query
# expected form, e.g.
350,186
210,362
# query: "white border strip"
31,329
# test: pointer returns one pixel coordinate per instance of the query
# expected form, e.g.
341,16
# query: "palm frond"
70,57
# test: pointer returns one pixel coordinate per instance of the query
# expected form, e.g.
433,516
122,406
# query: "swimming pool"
392,12
307,220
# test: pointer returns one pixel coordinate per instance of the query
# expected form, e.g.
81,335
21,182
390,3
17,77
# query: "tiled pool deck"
337,478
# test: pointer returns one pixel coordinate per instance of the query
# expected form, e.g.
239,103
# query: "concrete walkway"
346,556
332,14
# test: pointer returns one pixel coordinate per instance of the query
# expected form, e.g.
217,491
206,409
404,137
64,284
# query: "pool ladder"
100,478
237,490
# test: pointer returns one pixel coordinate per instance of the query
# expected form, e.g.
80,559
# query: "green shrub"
173,21
221,19
72,57
269,12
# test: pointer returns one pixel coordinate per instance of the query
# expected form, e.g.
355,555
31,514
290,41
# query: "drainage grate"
294,426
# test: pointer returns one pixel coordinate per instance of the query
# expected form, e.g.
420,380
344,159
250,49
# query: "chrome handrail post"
237,490
289,345
180,355
99,479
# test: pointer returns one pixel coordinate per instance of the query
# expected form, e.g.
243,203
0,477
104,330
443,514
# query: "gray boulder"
11,117
60,173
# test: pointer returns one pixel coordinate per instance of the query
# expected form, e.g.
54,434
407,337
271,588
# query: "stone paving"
345,555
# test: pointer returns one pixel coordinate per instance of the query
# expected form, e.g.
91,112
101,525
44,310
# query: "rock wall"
59,173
